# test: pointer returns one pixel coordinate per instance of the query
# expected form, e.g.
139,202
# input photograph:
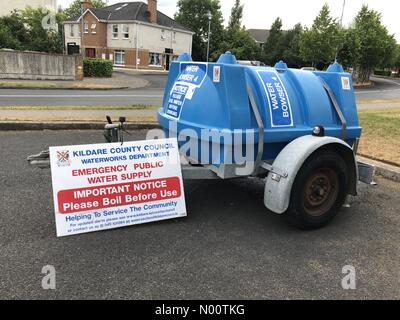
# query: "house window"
115,31
155,59
86,27
71,30
163,37
119,57
125,31
94,28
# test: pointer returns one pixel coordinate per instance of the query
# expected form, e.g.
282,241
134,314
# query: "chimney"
152,9
86,4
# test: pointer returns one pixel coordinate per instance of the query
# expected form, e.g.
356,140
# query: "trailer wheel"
319,191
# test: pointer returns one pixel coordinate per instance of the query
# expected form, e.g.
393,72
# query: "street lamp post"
82,26
209,32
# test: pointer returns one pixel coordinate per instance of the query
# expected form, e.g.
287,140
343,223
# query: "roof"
131,11
260,35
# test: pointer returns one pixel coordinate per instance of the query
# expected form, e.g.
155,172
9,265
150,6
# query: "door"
90,52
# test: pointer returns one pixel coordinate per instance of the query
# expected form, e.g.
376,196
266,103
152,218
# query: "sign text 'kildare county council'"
105,186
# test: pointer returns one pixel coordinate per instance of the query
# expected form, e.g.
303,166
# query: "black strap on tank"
336,106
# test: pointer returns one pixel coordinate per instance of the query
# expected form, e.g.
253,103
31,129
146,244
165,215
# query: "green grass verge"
28,85
381,134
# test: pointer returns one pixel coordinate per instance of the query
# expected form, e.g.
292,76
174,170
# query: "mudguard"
290,160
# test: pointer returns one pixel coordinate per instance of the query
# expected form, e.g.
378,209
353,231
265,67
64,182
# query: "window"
155,59
163,37
86,27
71,30
119,57
125,31
94,28
115,31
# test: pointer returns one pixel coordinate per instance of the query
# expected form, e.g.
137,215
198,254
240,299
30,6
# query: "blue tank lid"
184,57
227,58
335,67
281,65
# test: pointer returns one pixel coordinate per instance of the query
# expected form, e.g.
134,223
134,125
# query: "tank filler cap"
281,65
227,58
335,67
184,57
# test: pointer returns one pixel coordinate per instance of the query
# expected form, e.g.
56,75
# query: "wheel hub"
321,191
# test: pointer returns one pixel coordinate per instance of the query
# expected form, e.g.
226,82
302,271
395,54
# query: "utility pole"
341,19
341,26
137,46
209,32
82,30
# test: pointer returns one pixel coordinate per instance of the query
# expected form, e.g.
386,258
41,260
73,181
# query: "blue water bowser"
297,129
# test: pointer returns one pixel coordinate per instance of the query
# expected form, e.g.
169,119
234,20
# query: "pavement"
229,246
133,116
119,80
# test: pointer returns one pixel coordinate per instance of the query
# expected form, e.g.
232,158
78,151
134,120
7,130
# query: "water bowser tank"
219,98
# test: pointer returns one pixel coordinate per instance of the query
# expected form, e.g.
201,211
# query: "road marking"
375,91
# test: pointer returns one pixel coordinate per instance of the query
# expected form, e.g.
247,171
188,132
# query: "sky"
259,14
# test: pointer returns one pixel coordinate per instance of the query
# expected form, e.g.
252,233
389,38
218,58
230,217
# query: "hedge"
383,73
94,67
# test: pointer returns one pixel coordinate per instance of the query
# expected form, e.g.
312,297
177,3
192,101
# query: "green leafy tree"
13,34
195,16
291,44
319,44
240,43
274,46
236,39
350,49
235,20
75,9
377,48
41,39
397,60
23,30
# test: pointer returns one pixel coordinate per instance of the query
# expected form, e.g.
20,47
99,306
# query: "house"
260,36
8,6
132,34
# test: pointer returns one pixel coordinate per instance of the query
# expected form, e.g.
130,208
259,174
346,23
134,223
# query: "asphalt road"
229,246
383,89
151,95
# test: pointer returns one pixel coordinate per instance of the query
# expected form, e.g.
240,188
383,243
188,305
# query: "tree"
397,60
75,9
291,44
350,48
235,20
13,34
23,30
319,44
195,16
238,40
376,46
41,39
274,44
240,43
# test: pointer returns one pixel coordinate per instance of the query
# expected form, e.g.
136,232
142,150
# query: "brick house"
132,34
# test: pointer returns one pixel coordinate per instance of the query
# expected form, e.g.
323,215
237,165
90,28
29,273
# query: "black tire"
319,191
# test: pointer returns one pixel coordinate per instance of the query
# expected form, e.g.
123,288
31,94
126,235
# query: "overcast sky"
260,14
